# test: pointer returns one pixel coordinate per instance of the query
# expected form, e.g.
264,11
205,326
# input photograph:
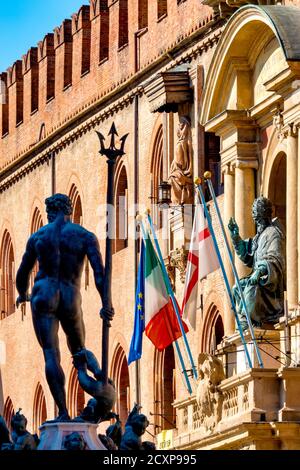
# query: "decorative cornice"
44,155
284,129
167,90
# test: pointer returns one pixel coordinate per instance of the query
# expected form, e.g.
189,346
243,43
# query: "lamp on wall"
164,194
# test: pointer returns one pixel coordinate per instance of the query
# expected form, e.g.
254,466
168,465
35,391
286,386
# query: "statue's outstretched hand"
107,314
256,275
233,227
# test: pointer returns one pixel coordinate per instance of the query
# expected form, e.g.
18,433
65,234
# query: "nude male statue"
60,248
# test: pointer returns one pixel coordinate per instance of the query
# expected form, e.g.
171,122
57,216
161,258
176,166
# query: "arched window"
7,270
77,217
121,203
157,175
213,330
213,162
77,206
162,8
39,408
123,23
277,187
36,224
76,398
8,412
164,390
120,376
143,14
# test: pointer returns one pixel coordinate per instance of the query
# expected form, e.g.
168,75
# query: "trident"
111,153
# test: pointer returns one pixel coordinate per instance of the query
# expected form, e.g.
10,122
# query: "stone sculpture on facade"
264,288
209,398
181,172
60,247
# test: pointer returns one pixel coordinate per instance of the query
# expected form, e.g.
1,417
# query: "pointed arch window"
120,376
157,175
76,397
39,408
77,205
213,330
121,205
8,413
213,162
7,271
77,218
36,224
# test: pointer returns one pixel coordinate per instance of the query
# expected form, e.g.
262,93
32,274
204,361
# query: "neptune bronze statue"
60,247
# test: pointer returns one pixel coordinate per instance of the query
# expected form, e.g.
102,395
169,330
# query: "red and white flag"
202,260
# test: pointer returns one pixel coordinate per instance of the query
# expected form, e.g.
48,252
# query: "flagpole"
188,384
207,178
171,294
137,362
212,232
137,380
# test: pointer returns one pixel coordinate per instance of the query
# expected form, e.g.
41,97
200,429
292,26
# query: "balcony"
257,409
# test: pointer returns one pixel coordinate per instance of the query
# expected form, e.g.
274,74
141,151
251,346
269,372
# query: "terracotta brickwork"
72,68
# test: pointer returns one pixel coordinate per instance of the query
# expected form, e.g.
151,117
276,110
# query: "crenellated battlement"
81,20
46,47
97,49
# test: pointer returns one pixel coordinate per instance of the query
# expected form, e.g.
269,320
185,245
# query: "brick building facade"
143,64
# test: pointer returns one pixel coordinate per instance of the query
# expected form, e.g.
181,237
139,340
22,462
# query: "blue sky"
25,22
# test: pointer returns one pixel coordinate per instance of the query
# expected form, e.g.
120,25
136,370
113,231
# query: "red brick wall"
63,57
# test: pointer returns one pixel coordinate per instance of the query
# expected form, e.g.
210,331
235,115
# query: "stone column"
229,183
291,217
244,197
298,213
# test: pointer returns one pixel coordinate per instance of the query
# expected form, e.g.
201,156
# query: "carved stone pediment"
168,89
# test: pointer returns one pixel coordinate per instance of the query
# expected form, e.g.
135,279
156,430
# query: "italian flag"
161,324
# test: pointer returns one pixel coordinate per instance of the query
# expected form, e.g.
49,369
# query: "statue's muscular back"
60,248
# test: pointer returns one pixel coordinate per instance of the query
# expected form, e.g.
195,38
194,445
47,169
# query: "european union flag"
135,351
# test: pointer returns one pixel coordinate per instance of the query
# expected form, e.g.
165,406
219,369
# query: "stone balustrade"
254,406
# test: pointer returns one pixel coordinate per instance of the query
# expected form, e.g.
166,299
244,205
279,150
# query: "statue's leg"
46,328
93,364
71,318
